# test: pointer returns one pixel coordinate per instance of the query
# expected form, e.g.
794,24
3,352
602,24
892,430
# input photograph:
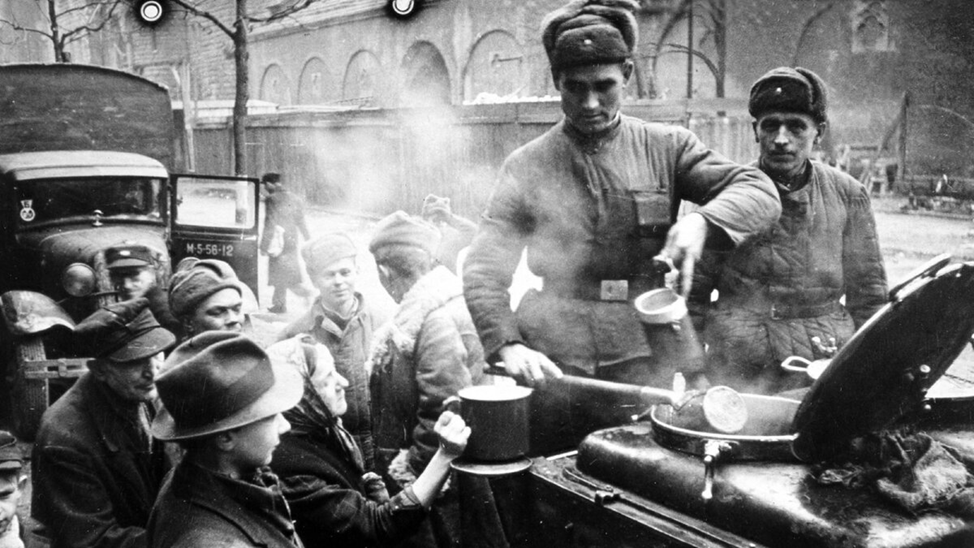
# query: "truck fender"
29,312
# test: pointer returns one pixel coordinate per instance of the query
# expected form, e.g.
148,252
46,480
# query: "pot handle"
813,369
452,403
712,450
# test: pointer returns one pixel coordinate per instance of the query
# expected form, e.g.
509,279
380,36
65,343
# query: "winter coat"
425,354
198,508
350,348
780,290
95,469
284,209
590,210
329,501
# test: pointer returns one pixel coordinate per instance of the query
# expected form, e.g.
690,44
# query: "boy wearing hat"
425,354
343,321
823,248
95,469
594,200
132,271
284,209
206,295
222,402
12,483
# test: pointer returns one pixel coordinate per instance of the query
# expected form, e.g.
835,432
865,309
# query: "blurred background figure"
456,232
284,223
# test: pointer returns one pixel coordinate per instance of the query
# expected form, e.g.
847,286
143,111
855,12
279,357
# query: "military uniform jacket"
590,210
95,469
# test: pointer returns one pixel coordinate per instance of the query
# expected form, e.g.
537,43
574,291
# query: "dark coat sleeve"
76,507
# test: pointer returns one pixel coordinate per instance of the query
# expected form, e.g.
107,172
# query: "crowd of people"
187,432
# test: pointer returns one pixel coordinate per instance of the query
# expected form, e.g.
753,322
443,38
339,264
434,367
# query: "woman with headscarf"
321,469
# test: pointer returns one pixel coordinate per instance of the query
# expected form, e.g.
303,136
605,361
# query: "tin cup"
498,419
669,330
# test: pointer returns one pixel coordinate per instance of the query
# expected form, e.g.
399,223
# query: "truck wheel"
30,396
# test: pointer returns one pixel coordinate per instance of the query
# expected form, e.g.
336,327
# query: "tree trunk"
719,10
55,33
240,56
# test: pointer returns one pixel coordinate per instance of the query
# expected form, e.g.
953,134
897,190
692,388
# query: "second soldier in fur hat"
824,248
95,469
592,201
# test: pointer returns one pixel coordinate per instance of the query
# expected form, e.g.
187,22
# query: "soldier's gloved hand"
684,245
453,434
530,365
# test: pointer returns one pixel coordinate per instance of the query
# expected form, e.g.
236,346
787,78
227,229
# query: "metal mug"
669,330
498,419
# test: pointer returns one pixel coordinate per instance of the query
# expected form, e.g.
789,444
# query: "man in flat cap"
341,319
13,480
427,353
779,294
222,402
594,200
133,271
206,295
95,468
284,210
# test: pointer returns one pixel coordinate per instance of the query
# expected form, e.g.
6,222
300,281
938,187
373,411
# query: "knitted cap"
789,89
590,32
196,280
404,229
326,250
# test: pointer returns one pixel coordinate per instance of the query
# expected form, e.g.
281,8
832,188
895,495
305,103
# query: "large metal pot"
767,435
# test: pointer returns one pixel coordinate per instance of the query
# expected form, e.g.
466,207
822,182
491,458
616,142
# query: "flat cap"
11,457
123,332
128,255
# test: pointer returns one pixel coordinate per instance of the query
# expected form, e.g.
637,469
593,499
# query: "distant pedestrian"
342,320
283,223
95,468
222,402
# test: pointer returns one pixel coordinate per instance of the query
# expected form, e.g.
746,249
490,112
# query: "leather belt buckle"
614,290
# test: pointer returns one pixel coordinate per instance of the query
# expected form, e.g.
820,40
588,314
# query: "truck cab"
86,163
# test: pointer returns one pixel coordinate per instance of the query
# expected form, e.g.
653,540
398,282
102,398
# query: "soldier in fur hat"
594,200
95,469
779,295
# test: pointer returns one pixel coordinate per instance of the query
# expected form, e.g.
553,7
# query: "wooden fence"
374,161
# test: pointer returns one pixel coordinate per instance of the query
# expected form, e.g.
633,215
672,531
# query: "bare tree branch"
696,53
806,28
206,15
290,10
66,38
16,26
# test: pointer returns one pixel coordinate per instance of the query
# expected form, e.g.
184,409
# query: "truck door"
216,217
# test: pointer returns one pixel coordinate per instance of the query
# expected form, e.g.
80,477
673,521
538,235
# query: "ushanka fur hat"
590,32
789,89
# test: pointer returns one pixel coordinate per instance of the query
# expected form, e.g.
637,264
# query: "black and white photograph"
487,273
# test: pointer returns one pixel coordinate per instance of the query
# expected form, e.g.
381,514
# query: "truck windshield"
48,200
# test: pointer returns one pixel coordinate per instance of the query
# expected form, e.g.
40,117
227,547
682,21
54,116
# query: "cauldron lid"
882,373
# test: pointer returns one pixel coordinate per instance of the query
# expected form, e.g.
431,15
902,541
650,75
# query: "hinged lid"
883,372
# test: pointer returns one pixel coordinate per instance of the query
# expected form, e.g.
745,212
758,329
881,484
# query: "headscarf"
311,416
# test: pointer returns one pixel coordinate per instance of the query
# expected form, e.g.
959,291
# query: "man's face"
133,381
132,282
336,282
331,386
786,140
11,486
591,94
220,311
254,443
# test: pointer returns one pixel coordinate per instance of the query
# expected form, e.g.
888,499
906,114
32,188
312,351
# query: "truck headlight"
78,280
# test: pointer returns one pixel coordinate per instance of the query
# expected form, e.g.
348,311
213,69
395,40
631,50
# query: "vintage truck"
86,162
